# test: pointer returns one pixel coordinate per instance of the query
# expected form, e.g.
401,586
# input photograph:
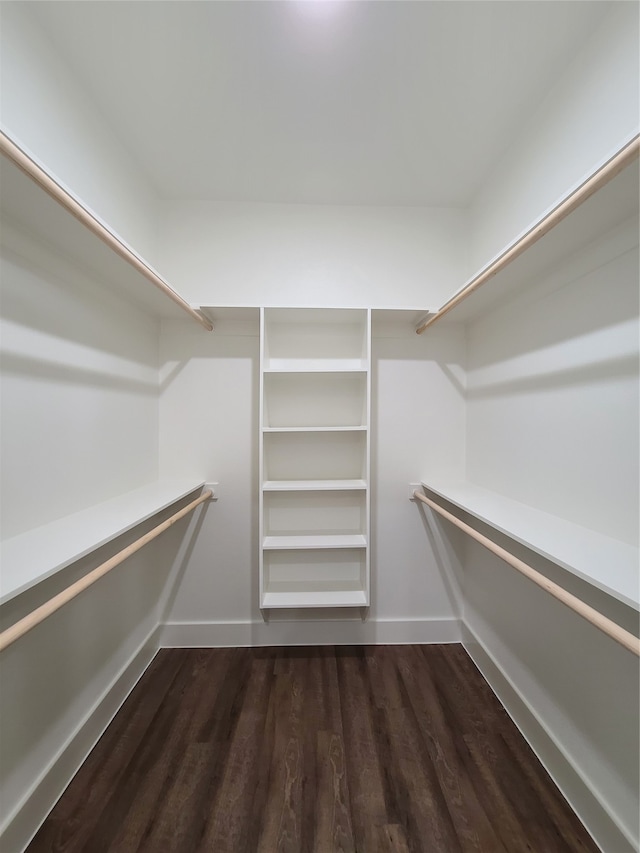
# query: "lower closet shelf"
37,554
604,562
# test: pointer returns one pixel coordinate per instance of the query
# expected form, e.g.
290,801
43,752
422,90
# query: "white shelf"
27,209
37,554
607,209
608,564
313,485
315,365
316,429
315,542
315,598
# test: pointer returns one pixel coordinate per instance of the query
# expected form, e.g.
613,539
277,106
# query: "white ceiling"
318,102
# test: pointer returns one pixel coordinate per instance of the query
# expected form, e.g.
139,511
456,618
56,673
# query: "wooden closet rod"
607,626
20,628
22,160
604,174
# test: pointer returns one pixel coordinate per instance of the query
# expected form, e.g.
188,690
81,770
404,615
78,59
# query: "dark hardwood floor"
377,748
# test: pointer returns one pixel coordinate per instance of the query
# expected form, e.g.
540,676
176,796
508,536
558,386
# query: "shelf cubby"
316,339
315,578
314,455
326,513
315,399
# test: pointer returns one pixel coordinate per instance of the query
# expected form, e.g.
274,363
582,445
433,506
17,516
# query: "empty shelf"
37,554
606,563
317,541
313,485
316,429
315,365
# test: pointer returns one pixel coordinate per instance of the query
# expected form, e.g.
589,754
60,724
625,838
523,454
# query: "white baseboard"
341,632
599,822
47,789
22,825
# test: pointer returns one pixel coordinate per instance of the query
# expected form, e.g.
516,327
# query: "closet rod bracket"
214,488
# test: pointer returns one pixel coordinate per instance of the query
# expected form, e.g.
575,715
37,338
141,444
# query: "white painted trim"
21,826
294,632
594,814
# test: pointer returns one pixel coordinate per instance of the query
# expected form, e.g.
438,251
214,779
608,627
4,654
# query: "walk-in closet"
319,426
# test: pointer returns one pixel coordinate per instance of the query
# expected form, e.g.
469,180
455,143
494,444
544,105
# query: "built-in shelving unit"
314,457
606,563
29,558
36,203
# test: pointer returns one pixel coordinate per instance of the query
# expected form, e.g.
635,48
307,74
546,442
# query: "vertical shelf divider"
261,464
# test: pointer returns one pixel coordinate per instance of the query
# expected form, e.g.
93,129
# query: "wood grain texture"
381,749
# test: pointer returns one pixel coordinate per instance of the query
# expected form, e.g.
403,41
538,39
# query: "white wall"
45,108
310,255
418,425
79,389
209,424
553,422
209,427
588,115
552,413
79,418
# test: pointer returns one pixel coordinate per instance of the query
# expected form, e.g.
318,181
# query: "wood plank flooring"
364,748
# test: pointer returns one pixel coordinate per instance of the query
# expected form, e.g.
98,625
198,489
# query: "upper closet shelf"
33,201
37,554
385,323
606,563
598,206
